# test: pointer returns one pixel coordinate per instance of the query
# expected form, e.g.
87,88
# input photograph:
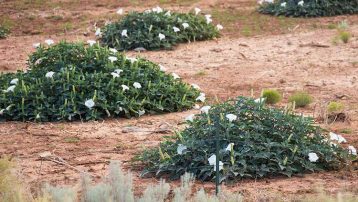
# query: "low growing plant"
301,99
335,107
344,36
308,8
271,96
254,141
71,81
4,32
158,29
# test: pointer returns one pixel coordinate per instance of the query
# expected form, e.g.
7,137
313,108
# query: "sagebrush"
254,141
159,29
72,81
308,8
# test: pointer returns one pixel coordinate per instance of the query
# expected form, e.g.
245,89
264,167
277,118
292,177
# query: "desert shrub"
301,99
3,32
308,8
148,29
344,36
335,107
271,96
71,81
254,141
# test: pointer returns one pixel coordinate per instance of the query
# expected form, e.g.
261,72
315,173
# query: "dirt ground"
223,68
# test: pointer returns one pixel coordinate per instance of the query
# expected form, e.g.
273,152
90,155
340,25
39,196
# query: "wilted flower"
98,32
120,11
14,81
38,116
197,11
157,9
313,157
2,111
168,13
300,3
162,68
113,50
124,33
10,89
176,29
228,148
260,100
205,109
49,74
176,76
132,60
49,42
219,27
181,148
352,150
114,74
265,1
118,71
201,97
221,166
124,87
338,138
196,86
141,112
283,4
91,42
208,19
89,103
36,45
161,36
112,58
190,117
185,25
231,117
137,85
196,106
212,159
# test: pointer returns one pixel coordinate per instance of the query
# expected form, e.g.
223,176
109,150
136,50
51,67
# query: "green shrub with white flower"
158,29
308,8
254,141
72,81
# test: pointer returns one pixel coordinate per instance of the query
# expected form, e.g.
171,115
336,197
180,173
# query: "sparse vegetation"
4,32
344,36
271,96
301,99
335,107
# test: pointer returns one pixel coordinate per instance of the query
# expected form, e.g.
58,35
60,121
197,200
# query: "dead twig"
312,44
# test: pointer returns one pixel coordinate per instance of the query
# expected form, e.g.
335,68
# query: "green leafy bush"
158,29
308,8
72,81
301,99
3,32
271,96
254,141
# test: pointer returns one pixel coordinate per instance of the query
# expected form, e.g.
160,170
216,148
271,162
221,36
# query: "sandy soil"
223,68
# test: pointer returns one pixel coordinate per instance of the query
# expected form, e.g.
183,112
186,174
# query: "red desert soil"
224,69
